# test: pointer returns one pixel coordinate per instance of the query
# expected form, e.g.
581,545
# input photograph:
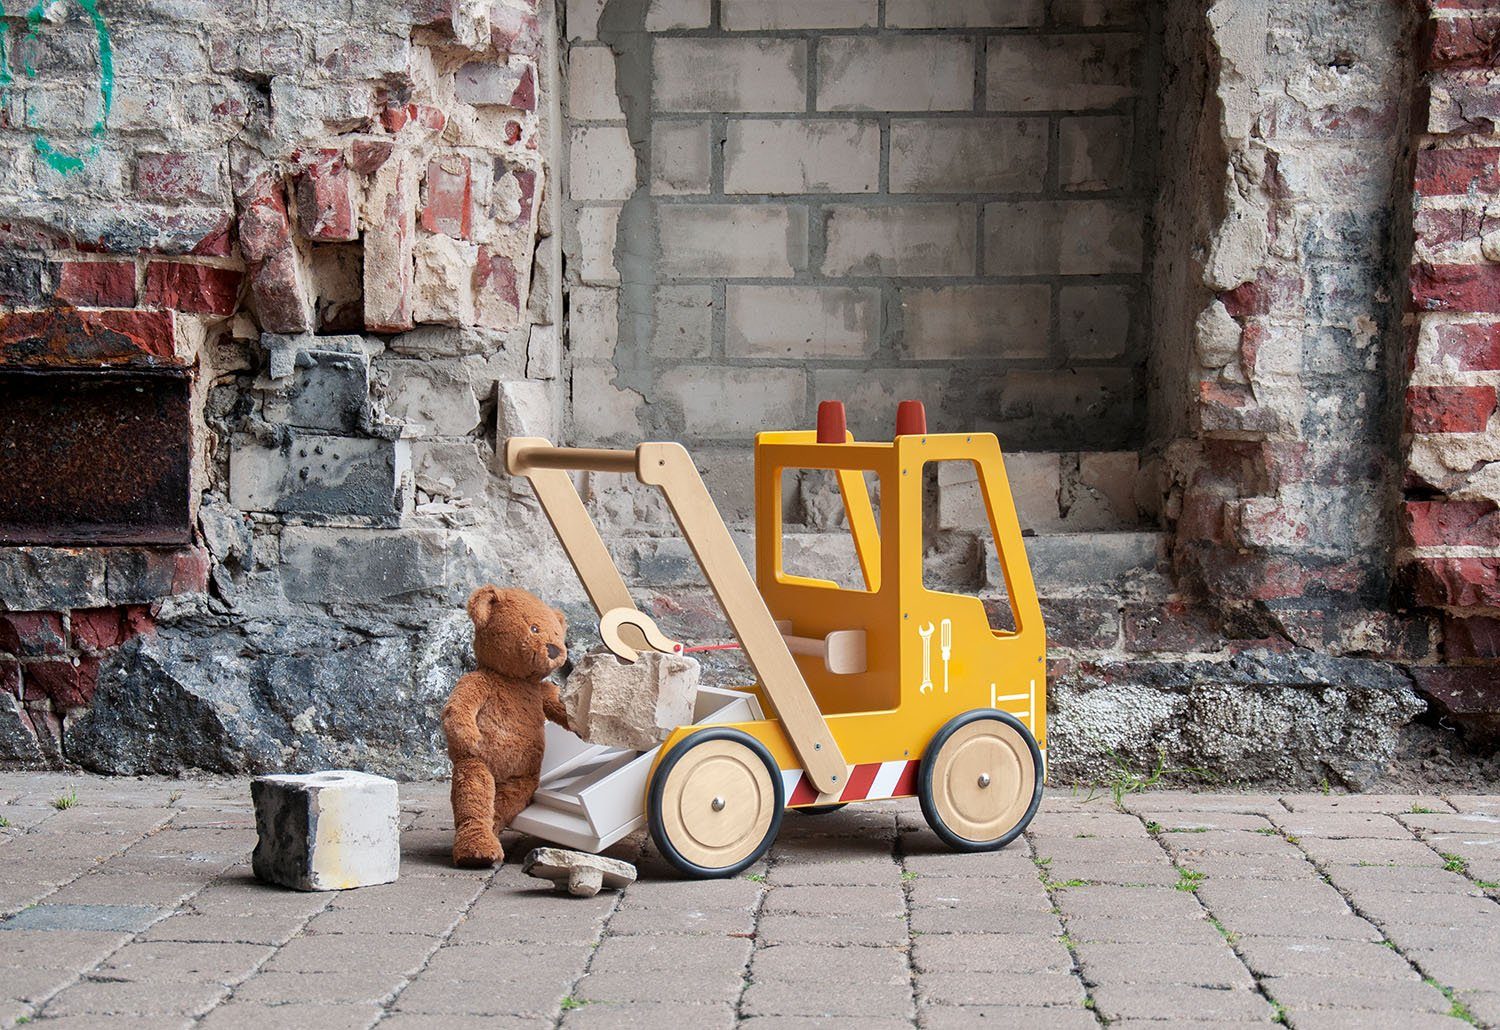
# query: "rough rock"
626,705
263,696
581,875
1259,717
326,831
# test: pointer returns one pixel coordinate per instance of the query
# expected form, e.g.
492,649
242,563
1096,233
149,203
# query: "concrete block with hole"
326,831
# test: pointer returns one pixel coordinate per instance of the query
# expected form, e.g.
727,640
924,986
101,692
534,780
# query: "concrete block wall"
776,203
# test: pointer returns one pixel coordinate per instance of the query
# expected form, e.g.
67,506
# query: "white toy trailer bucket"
591,795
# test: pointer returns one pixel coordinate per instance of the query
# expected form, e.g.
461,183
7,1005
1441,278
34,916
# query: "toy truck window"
818,547
959,554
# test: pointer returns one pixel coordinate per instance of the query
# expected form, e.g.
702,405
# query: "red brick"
1171,626
1476,637
1471,42
32,634
280,294
326,201
1456,582
448,197
216,242
65,684
1441,230
97,630
65,337
10,677
201,289
515,32
264,228
96,284
179,178
1462,692
1202,517
1449,409
497,274
1455,288
1472,347
367,155
1231,407
1442,173
1451,523
395,116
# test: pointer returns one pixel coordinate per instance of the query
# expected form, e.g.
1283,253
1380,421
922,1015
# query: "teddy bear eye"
535,630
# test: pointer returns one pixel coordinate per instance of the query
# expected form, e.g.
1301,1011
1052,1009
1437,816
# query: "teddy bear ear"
482,602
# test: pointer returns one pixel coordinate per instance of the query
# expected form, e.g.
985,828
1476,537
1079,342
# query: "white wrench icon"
926,635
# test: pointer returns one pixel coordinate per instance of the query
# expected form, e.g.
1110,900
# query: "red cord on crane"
712,647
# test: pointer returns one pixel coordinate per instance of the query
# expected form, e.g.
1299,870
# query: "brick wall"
778,202
1451,529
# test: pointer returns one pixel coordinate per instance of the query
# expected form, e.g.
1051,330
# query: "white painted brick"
1094,321
591,85
968,155
917,239
526,408
798,14
1071,72
326,831
895,73
1091,14
595,228
665,15
679,157
736,403
870,399
801,321
732,239
1094,153
1035,484
1105,495
684,321
1071,237
730,74
602,412
583,18
998,321
601,163
962,14
780,155
593,325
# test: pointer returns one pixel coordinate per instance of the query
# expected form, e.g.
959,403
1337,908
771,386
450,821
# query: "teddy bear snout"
553,651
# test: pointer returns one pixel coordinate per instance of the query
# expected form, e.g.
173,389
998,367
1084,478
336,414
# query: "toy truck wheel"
980,782
715,803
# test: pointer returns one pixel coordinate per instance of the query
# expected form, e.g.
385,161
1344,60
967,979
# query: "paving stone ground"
131,902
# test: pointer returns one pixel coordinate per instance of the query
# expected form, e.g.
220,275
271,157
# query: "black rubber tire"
924,781
821,809
659,782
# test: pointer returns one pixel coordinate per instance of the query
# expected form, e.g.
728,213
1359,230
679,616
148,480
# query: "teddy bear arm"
461,713
552,708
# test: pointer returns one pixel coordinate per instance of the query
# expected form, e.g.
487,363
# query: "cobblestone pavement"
133,900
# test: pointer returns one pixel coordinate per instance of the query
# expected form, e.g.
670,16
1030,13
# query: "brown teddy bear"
495,716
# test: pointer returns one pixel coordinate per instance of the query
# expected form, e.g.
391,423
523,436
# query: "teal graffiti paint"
59,159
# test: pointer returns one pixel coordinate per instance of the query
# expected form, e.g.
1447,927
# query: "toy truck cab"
887,689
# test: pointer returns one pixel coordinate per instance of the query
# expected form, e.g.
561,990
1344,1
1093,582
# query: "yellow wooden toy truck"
887,691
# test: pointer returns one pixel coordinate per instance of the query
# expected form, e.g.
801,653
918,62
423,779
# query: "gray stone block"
310,474
326,830
329,391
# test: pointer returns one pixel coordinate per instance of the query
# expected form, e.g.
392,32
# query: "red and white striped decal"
867,782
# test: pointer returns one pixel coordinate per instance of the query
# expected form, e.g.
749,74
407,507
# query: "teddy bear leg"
474,842
511,796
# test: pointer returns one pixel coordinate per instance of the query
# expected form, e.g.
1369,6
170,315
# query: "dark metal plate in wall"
95,457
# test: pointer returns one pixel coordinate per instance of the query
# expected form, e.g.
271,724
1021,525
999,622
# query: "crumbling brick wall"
353,249
1451,532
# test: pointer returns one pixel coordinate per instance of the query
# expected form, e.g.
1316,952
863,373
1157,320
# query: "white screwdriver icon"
946,649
